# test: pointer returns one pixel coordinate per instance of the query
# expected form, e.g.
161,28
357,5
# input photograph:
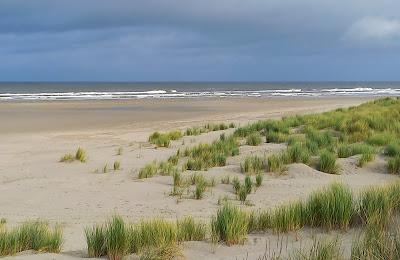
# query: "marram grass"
253,164
229,225
31,235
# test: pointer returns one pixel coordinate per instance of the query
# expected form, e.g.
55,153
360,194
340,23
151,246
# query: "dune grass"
254,139
95,240
332,207
191,230
242,193
276,162
200,189
347,132
148,171
376,243
117,166
197,130
366,157
392,149
116,238
259,180
347,150
205,156
31,235
229,225
164,139
298,153
155,233
236,185
375,206
80,155
321,249
163,252
248,184
394,165
327,162
166,168
253,164
67,158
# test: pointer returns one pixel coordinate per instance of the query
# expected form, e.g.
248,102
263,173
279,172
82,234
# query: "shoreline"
61,116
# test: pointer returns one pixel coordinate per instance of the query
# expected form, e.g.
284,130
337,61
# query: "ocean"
110,90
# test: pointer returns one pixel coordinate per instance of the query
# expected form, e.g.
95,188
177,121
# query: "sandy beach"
34,184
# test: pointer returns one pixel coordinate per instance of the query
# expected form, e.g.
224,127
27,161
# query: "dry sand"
33,184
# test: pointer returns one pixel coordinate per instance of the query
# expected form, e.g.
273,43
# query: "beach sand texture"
33,184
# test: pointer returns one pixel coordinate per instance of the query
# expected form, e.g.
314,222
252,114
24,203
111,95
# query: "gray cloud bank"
199,40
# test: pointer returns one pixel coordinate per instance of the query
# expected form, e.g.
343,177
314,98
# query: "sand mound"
300,170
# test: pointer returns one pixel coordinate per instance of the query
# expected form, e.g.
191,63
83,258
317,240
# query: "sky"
193,40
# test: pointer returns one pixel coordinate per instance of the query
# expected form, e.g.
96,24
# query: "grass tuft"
191,230
229,225
254,139
253,165
327,163
80,155
31,235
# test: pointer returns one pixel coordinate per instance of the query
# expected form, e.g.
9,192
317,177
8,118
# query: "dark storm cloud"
197,40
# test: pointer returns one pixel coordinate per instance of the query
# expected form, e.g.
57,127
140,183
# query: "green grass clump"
166,168
177,179
394,165
347,150
332,207
380,139
80,155
67,158
253,165
375,206
116,238
320,250
95,240
366,156
323,139
259,180
173,159
200,189
392,150
248,184
288,217
327,163
191,230
275,137
254,139
236,185
155,233
297,153
376,243
32,235
229,225
149,170
205,156
163,252
276,162
117,166
242,193
164,139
